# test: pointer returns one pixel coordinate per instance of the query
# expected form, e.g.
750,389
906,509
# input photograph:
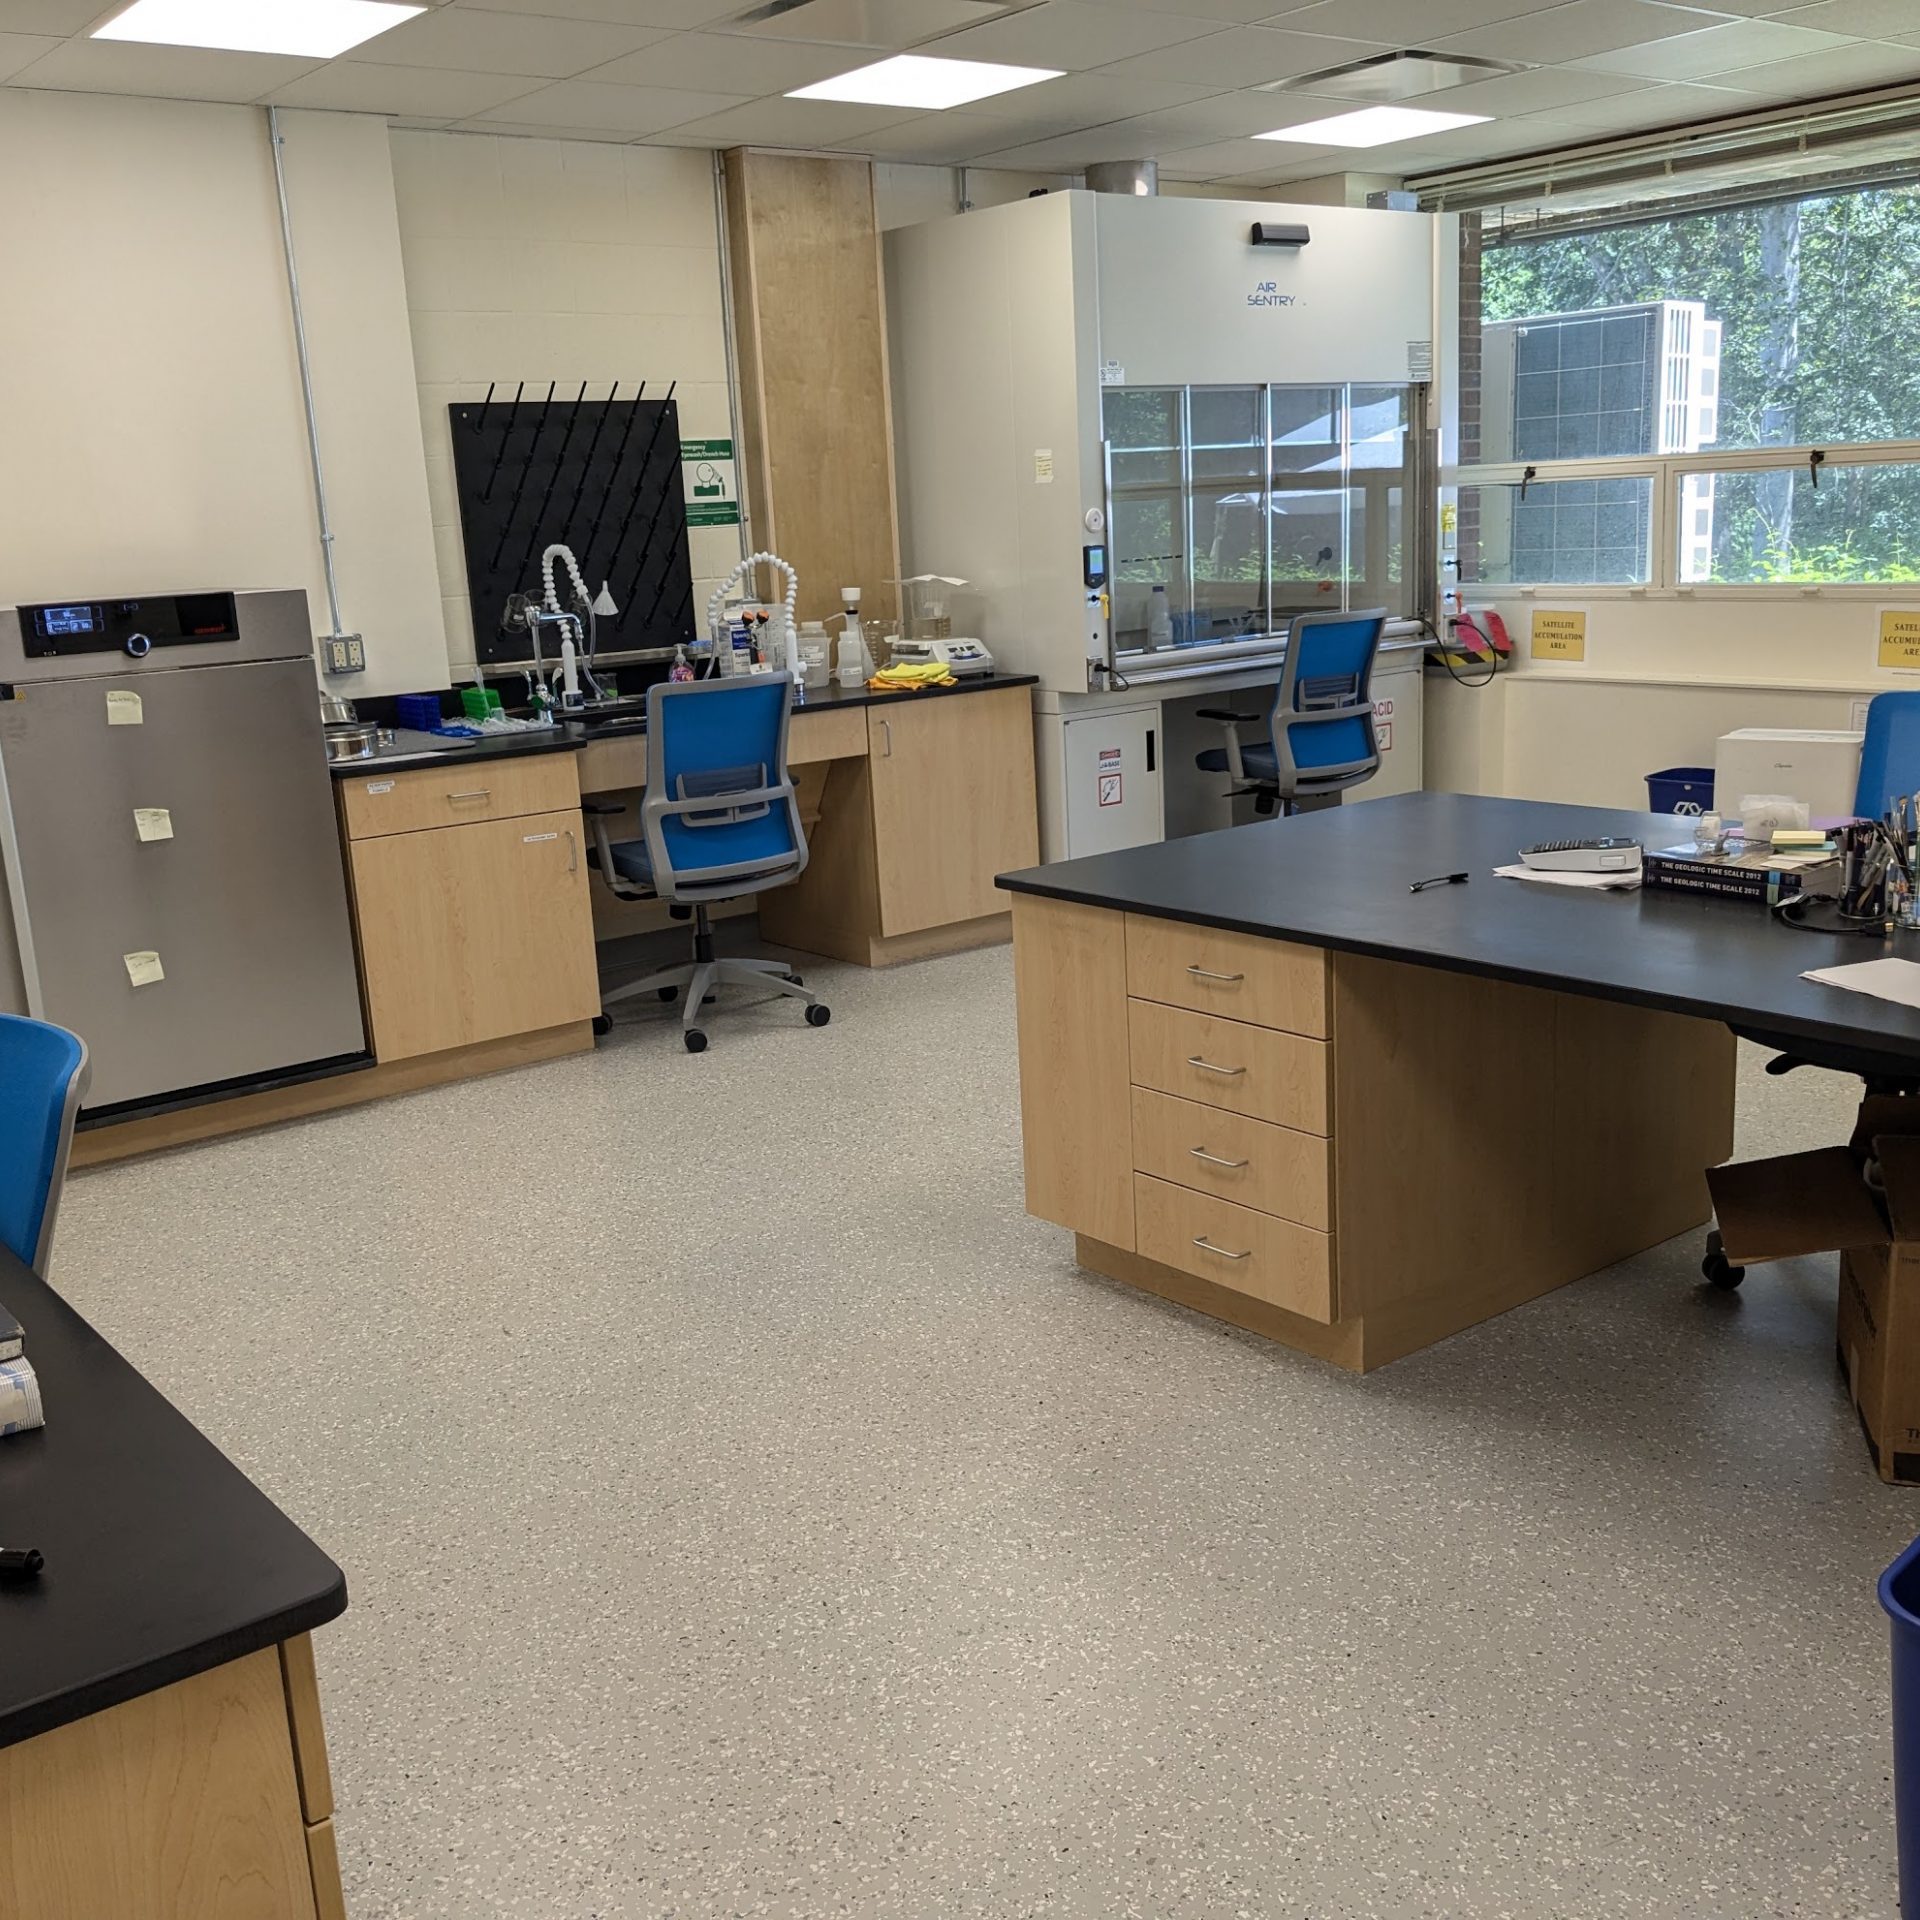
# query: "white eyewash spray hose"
790,639
569,653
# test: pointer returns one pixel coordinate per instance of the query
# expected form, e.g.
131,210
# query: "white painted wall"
154,400
1664,676
558,260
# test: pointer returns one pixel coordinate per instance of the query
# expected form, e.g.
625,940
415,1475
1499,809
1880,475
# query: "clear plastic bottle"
1159,619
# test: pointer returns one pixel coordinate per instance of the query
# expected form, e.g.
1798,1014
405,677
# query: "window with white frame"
1725,395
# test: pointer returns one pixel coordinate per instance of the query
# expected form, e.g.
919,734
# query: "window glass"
1861,524
1377,575
1586,532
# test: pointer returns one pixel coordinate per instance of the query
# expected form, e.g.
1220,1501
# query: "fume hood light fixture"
919,80
1374,127
313,29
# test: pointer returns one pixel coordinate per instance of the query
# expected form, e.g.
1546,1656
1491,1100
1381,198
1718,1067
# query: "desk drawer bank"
1351,1155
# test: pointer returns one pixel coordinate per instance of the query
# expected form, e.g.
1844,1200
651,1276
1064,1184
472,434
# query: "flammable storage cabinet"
1148,439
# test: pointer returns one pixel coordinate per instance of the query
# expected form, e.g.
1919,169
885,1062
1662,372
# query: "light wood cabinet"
474,933
953,805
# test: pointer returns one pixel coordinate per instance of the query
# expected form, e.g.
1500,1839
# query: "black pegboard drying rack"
600,476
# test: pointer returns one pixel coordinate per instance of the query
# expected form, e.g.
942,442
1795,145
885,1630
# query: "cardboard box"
1863,1201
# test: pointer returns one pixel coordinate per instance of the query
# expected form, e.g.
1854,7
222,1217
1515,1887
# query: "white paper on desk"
1593,882
1896,980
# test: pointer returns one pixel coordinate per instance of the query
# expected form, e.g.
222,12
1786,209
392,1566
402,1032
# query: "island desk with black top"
1261,1076
161,1749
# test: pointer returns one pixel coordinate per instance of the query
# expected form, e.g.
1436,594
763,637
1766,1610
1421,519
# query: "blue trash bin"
1900,1595
1680,790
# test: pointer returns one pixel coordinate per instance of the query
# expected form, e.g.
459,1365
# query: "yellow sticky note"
1559,634
143,969
1899,638
123,708
153,823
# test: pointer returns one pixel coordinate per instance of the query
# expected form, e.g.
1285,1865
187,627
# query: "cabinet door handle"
886,727
1207,1066
1214,1160
1201,1241
1202,973
573,852
478,793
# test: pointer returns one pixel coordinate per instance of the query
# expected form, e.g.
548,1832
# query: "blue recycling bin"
1680,790
1900,1595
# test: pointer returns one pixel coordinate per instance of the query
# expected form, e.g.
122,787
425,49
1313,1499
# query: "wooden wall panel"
810,332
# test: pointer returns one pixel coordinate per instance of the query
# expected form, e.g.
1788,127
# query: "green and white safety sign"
712,488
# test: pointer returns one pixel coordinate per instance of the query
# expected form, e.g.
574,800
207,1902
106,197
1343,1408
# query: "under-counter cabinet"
1350,1154
471,903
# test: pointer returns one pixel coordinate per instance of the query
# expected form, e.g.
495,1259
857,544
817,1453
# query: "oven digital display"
54,623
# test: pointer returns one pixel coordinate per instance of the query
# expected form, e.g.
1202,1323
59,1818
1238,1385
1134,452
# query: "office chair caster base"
1716,1269
695,1039
667,993
602,1025
817,1016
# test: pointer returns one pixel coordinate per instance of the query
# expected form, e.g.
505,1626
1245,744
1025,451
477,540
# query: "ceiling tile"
19,50
1082,99
1652,107
1240,12
1406,23
58,16
792,123
362,86
1863,17
1532,90
1074,34
1859,64
676,15
627,111
1219,160
171,73
474,40
868,23
1580,28
948,139
1718,50
530,130
728,63
1243,57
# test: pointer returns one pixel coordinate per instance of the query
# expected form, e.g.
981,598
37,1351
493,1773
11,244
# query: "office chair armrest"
1223,713
1231,722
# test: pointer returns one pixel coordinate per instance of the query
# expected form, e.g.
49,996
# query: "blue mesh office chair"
43,1078
1321,738
1890,754
719,821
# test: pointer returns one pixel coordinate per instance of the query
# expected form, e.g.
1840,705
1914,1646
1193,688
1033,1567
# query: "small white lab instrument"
1610,854
960,657
1818,765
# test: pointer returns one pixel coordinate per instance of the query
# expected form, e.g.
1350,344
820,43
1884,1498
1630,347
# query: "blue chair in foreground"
1320,732
1889,755
719,821
43,1079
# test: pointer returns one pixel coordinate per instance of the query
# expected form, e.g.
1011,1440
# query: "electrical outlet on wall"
343,653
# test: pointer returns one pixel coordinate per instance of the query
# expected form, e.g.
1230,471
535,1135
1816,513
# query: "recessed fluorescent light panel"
1374,127
917,80
315,29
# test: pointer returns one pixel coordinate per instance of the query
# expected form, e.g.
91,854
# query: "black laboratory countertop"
569,736
1340,878
163,1558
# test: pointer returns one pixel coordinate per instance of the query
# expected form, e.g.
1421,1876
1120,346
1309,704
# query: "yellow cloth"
903,676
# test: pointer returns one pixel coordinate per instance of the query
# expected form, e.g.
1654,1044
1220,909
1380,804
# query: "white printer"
1820,766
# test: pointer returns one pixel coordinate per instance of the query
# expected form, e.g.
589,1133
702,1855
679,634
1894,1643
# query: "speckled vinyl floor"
748,1510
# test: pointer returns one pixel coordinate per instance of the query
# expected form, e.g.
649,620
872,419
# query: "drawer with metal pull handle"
1278,1170
1275,1260
1258,1071
417,798
1268,983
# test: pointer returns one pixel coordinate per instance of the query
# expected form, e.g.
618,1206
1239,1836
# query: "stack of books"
1767,874
19,1388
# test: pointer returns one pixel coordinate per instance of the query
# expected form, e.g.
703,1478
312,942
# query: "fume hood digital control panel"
132,627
